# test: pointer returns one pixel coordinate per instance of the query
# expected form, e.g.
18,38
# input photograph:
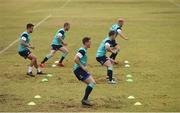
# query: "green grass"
152,49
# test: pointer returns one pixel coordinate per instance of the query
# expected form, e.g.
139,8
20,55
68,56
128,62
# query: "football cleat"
60,64
86,102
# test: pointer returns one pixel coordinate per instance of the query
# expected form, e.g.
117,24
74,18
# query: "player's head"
112,34
66,26
120,22
29,28
86,42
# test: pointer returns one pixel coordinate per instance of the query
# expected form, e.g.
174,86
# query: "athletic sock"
38,69
30,69
62,57
45,60
88,90
113,56
110,73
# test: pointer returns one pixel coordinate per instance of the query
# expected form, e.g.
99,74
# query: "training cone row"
126,64
45,79
32,103
55,64
129,78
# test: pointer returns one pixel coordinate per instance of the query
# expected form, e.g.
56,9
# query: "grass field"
153,28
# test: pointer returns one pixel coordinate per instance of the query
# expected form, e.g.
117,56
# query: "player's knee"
34,58
109,64
91,84
67,51
110,67
118,49
51,55
94,82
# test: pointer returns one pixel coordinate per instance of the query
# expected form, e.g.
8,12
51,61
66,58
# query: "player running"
117,27
58,44
24,46
81,72
106,46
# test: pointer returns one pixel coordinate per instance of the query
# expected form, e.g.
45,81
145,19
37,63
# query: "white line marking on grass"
43,20
65,4
11,44
173,2
15,41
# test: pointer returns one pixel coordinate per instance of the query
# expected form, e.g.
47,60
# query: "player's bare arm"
61,40
121,34
109,49
27,45
77,61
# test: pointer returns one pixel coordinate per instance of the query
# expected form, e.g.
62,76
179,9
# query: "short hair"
85,39
29,25
120,20
112,33
66,24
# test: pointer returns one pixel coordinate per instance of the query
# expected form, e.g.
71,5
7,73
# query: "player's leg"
87,79
30,68
33,63
109,66
116,47
64,51
113,55
50,55
26,54
54,48
90,85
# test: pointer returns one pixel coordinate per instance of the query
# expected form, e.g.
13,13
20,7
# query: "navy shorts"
81,74
102,59
25,53
56,47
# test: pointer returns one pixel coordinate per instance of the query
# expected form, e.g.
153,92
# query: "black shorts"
102,59
81,74
114,43
56,47
25,53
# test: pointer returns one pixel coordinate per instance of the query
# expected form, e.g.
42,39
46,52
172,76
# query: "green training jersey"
115,28
102,49
61,32
82,54
25,37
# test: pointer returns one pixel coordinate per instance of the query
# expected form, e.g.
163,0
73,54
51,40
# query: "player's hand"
85,68
111,60
32,47
90,65
64,44
126,38
114,51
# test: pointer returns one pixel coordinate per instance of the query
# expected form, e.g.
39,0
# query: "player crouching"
117,28
106,46
24,46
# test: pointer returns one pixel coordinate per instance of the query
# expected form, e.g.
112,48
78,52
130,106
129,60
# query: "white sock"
30,69
38,69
